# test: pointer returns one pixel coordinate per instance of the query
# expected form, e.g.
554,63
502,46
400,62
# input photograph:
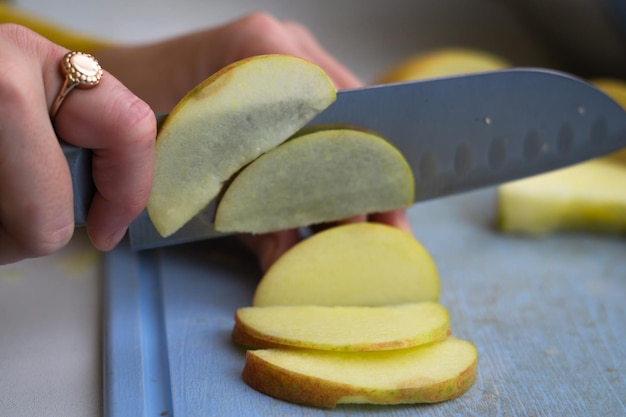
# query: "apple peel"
228,120
353,328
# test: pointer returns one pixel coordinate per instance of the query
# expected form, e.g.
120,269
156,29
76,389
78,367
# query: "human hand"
36,203
184,62
162,73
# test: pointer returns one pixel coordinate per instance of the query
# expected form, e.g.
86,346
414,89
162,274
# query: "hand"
36,204
162,74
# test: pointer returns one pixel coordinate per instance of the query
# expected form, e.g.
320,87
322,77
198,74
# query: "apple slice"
366,264
590,196
327,175
586,197
354,328
228,120
431,373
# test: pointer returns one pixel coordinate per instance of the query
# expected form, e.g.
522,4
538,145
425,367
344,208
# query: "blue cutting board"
547,315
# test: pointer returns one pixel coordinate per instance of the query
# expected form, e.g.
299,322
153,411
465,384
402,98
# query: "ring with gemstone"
81,70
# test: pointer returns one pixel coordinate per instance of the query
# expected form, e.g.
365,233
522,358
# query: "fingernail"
114,238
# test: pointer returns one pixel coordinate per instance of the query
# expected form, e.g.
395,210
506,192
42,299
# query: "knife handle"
79,161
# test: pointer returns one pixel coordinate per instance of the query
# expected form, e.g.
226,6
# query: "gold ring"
80,70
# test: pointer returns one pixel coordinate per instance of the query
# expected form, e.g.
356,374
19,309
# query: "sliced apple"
319,177
586,197
426,374
354,328
388,353
442,62
364,264
224,123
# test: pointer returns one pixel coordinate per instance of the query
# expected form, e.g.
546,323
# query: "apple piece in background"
352,328
589,197
431,373
442,62
359,264
224,123
324,176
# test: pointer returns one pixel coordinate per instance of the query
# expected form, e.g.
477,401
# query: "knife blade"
457,133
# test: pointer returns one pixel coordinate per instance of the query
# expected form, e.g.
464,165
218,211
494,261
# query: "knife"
457,133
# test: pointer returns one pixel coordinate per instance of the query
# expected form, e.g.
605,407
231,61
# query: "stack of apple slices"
350,315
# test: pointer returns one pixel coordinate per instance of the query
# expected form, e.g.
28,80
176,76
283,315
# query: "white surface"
50,334
49,308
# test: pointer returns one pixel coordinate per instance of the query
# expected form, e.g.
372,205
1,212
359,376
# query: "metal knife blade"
457,133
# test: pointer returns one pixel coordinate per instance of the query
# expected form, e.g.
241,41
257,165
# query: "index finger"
120,129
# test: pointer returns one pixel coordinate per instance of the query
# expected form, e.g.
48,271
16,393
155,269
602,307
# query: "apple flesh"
587,197
324,176
359,264
353,328
224,123
435,372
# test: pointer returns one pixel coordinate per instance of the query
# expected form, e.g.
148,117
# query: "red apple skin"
241,337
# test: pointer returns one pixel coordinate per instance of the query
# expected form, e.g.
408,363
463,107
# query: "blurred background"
586,37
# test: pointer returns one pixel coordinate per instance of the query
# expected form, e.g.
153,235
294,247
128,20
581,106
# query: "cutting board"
548,316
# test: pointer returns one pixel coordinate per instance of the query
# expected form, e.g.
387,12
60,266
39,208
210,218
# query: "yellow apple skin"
359,264
432,373
442,62
226,122
320,177
589,197
341,328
